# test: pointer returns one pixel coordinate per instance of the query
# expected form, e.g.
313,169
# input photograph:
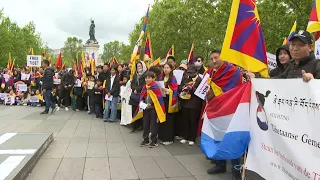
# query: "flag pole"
243,168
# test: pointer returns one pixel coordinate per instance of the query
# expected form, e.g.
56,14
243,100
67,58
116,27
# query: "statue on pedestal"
92,39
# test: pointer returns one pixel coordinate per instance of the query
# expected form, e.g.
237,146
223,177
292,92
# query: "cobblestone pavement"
87,148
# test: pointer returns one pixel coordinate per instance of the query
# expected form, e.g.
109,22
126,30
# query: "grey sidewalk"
89,149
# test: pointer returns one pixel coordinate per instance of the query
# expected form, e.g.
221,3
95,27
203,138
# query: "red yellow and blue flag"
9,64
244,43
293,29
115,61
148,49
314,20
170,52
155,94
227,77
137,47
191,56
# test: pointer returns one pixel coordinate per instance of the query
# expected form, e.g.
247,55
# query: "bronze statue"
92,34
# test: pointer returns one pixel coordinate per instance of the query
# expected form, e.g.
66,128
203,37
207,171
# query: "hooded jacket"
280,67
47,80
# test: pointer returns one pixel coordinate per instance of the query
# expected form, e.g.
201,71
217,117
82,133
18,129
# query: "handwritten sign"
272,62
161,85
202,89
22,87
34,61
56,81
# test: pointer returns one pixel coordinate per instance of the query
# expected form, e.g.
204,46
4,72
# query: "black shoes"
217,169
144,143
153,144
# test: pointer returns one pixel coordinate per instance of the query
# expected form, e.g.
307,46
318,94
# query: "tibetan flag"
12,65
43,54
191,56
63,66
293,29
59,61
92,66
154,92
83,60
156,62
137,47
285,41
50,60
9,64
31,51
244,43
225,131
314,20
170,52
173,96
148,49
115,61
226,77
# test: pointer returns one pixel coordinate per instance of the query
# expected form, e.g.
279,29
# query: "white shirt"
112,80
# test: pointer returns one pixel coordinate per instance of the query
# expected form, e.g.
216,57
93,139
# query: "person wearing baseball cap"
304,63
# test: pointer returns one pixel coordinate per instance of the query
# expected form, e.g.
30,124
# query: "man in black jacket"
47,84
67,83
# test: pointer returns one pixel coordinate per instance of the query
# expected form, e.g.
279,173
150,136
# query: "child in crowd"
112,95
98,98
90,94
41,101
11,98
153,109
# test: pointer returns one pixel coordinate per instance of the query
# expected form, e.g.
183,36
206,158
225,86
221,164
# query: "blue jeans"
47,97
234,162
113,106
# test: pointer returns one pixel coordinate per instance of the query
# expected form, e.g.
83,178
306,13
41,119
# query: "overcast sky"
58,19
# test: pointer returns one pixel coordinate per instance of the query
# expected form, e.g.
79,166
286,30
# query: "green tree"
117,49
72,46
204,22
17,41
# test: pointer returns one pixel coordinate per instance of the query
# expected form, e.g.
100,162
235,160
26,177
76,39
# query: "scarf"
155,94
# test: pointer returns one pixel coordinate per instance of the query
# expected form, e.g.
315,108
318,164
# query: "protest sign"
34,99
284,122
202,89
77,83
25,76
33,61
56,81
22,87
161,85
90,84
3,96
272,62
178,74
317,49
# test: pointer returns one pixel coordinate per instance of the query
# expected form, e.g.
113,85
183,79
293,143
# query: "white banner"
34,61
284,129
22,87
203,87
272,62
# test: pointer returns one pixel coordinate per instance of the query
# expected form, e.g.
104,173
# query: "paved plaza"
87,148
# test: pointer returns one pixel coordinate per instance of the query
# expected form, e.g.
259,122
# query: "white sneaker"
191,143
178,137
58,108
167,143
66,108
183,141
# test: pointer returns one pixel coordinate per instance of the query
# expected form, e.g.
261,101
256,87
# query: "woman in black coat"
137,84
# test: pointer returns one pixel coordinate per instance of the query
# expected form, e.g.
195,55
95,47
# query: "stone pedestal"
92,48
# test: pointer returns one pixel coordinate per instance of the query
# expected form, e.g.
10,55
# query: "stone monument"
92,45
